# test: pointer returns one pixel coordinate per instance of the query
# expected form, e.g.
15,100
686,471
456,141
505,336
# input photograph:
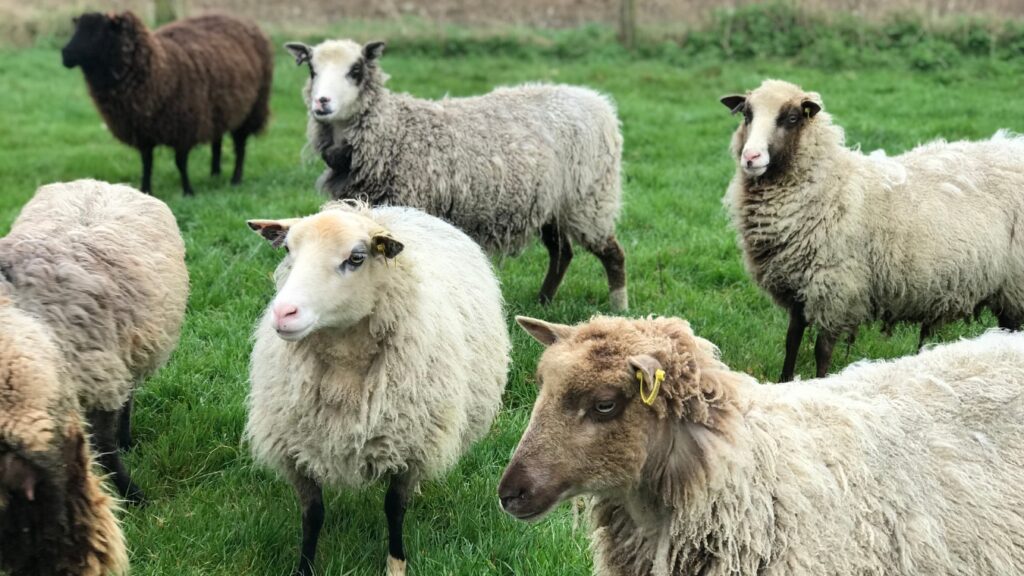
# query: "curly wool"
103,266
435,367
498,166
899,467
928,236
188,82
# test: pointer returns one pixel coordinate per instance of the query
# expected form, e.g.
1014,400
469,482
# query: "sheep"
181,85
55,519
839,238
368,365
500,167
902,467
103,267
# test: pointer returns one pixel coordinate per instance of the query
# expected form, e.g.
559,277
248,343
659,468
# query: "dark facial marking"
358,71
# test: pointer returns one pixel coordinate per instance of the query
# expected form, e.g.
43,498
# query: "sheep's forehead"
774,95
342,53
588,360
332,229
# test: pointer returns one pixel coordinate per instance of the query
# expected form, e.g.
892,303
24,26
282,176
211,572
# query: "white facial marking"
333,94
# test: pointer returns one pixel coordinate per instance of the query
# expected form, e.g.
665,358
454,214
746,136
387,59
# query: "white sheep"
103,267
894,468
840,238
369,364
501,167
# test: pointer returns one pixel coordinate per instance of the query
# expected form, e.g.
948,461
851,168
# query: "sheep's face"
333,271
338,71
97,42
774,116
591,430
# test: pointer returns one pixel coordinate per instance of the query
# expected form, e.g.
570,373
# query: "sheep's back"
104,266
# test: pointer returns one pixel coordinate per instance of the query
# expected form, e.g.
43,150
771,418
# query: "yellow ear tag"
380,247
807,112
659,377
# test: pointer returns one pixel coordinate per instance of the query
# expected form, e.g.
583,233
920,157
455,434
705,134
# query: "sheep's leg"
181,161
311,499
147,168
823,351
239,139
124,430
613,258
215,156
794,337
926,333
104,440
395,503
559,256
1008,322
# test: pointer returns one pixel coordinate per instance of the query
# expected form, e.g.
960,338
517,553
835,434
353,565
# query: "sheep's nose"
283,311
750,157
511,495
323,100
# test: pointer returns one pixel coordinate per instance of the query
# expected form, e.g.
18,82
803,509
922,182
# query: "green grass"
215,513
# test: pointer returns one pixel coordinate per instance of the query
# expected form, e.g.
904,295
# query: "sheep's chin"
296,335
755,172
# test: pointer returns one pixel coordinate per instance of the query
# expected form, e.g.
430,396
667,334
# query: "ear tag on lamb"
380,247
659,377
807,112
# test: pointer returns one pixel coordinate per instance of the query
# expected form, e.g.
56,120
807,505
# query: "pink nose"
751,156
284,312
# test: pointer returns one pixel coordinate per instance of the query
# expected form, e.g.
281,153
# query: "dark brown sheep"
180,85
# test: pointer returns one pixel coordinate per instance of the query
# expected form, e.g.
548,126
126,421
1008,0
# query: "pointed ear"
301,52
545,332
733,102
386,245
646,364
810,108
373,50
273,231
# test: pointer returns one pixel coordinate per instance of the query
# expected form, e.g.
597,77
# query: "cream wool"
501,167
902,467
103,266
840,238
401,366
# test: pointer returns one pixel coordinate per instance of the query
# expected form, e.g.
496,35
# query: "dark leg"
124,431
215,156
823,352
794,336
311,499
1007,322
181,160
239,139
559,256
147,169
613,258
394,507
104,441
926,333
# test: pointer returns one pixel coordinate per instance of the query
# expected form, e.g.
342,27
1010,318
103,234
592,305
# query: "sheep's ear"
19,476
810,108
273,231
301,52
546,333
373,50
733,102
386,245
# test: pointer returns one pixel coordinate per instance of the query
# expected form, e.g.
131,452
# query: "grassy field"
215,513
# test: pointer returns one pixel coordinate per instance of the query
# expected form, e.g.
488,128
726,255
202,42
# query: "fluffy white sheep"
103,266
840,238
383,355
894,468
502,167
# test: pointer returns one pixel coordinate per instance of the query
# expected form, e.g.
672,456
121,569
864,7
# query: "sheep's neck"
353,348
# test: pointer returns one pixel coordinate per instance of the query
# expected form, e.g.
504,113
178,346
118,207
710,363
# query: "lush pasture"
215,513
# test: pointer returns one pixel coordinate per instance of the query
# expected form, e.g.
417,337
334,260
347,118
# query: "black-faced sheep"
181,85
896,468
383,355
55,519
501,167
840,238
103,267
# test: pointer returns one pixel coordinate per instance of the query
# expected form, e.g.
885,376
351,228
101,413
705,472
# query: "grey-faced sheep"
383,355
181,85
55,519
840,238
501,167
102,266
895,468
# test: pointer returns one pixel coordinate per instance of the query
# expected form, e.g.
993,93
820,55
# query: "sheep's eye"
287,250
355,260
748,116
312,73
793,119
605,407
356,72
